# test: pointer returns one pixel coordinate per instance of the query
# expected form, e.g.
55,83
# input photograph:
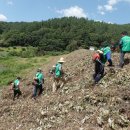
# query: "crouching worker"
59,75
16,88
38,83
107,54
99,68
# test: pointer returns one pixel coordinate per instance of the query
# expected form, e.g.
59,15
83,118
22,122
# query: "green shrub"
55,53
13,53
73,46
14,47
1,49
29,52
24,53
23,49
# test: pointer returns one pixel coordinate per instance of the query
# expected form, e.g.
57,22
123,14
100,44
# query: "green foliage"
58,34
23,49
11,67
14,47
72,46
55,53
23,52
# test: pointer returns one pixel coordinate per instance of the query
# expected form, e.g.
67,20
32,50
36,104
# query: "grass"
11,67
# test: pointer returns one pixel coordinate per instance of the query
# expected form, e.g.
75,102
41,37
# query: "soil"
79,105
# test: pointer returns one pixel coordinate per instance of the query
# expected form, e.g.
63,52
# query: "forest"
60,34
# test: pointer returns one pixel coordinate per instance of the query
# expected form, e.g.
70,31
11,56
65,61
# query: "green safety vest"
106,50
58,70
125,44
40,77
16,84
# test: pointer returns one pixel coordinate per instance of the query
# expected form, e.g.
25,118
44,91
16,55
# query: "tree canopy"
60,34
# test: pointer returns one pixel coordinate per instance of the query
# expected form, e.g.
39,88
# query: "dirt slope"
76,106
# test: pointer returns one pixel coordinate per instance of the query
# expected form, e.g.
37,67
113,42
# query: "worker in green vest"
59,75
107,54
38,83
16,88
124,47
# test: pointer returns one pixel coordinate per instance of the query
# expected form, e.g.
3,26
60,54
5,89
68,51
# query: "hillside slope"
78,105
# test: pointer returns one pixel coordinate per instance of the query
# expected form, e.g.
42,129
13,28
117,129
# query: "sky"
109,11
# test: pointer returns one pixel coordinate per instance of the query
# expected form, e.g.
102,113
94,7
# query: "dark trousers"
17,93
98,76
37,88
40,89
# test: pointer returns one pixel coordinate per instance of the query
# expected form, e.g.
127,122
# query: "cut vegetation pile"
78,105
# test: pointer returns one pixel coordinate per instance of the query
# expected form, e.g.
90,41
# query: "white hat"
61,60
39,69
100,52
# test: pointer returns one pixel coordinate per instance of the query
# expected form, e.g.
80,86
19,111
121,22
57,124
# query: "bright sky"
111,11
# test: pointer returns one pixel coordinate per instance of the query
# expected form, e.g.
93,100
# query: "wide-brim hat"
100,52
61,60
39,69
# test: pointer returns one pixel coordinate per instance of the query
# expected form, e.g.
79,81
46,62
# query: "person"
107,54
38,83
16,88
102,57
59,75
124,47
52,71
99,68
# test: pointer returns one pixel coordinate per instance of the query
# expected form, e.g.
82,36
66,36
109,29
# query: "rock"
122,121
81,128
84,119
43,113
111,123
39,128
104,114
100,121
79,108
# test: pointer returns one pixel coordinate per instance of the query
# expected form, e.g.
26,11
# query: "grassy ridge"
10,67
18,61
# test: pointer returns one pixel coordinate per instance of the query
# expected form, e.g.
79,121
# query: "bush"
23,49
40,51
14,47
24,53
1,49
73,46
13,53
